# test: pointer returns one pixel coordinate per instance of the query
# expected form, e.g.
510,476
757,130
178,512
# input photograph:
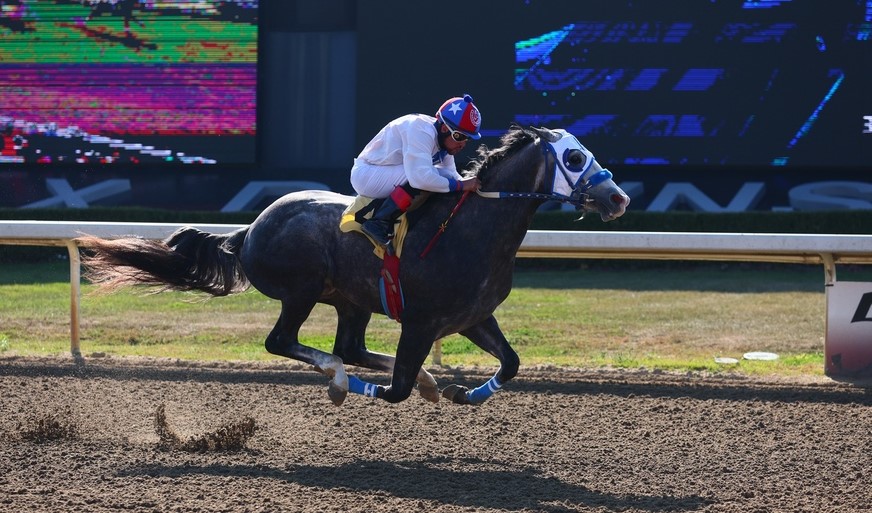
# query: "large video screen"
142,83
705,83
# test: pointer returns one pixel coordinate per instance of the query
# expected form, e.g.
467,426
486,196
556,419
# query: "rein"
525,195
444,225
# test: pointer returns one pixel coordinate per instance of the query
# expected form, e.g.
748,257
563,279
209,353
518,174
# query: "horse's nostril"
618,199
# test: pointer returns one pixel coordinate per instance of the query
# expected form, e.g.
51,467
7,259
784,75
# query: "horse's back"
306,201
301,212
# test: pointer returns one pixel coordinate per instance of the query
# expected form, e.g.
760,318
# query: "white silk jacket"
410,140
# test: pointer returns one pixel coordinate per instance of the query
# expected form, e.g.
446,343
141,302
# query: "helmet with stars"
461,115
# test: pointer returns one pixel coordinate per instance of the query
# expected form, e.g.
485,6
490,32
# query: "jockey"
414,153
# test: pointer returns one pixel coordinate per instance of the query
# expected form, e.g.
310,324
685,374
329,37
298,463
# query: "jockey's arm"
421,172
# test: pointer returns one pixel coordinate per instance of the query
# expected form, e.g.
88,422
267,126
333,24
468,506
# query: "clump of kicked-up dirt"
230,437
47,428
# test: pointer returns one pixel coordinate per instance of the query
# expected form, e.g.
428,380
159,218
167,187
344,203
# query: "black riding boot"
380,227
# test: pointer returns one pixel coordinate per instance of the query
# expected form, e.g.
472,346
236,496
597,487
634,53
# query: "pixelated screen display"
125,82
753,83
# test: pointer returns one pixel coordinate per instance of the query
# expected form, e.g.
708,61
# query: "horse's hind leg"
350,346
488,336
283,340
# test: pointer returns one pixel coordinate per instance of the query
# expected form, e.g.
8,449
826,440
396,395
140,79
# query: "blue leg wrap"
358,386
482,393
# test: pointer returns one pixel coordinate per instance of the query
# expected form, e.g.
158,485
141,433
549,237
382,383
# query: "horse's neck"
522,172
527,175
503,219
511,217
506,219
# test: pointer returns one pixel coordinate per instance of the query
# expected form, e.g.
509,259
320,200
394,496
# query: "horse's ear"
546,134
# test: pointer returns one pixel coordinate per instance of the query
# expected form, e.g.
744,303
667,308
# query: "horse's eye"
576,158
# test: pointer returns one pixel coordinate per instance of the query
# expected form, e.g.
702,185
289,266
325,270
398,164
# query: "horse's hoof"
429,393
456,393
336,394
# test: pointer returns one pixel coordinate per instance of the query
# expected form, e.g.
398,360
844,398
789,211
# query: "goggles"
457,135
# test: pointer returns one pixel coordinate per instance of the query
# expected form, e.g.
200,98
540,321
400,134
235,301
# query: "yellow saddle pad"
348,223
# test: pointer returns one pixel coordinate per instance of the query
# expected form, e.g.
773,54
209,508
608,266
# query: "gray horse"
295,252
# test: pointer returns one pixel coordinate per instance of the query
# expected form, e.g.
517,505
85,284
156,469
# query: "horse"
294,252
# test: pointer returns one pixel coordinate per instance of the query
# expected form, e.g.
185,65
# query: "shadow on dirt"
494,487
180,371
703,390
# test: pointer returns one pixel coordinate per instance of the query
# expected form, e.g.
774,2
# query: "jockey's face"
448,143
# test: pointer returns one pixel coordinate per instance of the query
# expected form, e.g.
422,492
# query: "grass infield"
666,316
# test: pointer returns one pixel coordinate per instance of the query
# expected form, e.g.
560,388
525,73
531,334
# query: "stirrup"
382,237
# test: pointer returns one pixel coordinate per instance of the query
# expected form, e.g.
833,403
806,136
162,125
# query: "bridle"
577,177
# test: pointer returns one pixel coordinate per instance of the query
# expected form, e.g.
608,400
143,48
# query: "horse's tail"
189,259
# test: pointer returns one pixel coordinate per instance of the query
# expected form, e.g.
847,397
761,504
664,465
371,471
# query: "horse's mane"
513,140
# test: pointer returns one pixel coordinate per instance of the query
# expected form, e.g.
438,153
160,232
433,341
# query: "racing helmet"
461,116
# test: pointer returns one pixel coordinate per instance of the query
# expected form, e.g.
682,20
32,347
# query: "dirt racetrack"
85,438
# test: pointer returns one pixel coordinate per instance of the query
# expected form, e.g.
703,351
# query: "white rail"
827,250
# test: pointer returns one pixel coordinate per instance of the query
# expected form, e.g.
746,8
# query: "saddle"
361,210
389,281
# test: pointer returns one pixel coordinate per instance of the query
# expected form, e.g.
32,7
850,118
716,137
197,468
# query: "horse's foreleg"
350,346
488,336
412,350
283,341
